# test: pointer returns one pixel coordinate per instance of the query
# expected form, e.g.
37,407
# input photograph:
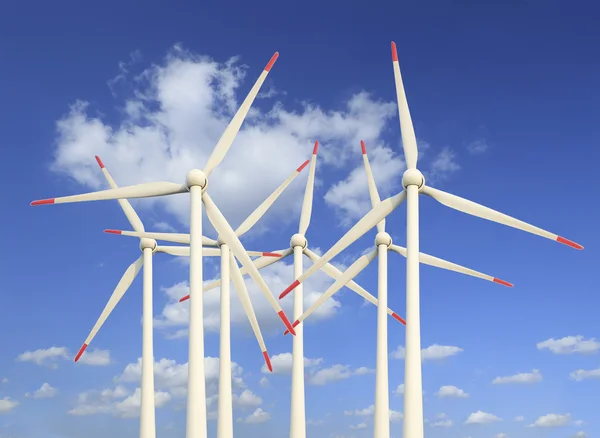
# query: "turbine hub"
220,241
413,177
196,177
147,243
298,240
383,238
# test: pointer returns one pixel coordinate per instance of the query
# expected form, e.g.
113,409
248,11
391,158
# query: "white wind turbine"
228,264
414,184
196,184
383,243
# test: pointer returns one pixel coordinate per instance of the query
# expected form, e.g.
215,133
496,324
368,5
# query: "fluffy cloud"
433,352
359,426
399,390
442,420
282,364
96,358
48,356
45,391
570,345
533,377
175,315
580,434
395,416
258,416
451,391
246,400
580,375
481,417
501,435
520,418
7,404
179,110
552,420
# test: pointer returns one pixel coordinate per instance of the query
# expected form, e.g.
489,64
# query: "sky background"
505,102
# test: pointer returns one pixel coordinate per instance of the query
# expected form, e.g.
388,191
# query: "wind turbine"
383,243
196,184
414,184
229,271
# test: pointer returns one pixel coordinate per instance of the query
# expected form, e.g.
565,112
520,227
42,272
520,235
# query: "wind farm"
261,192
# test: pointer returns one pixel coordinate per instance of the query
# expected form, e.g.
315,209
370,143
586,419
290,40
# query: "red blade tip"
316,148
303,166
100,163
113,231
272,61
268,361
43,202
80,352
394,52
363,147
502,282
396,316
286,321
187,297
568,243
271,254
290,288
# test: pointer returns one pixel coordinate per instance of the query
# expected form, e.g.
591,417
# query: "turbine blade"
368,221
184,251
228,235
267,203
308,194
167,237
126,280
440,263
259,263
240,287
335,273
354,269
146,190
479,210
373,193
231,131
132,216
409,140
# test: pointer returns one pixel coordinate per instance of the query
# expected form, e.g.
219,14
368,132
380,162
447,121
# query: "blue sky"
505,105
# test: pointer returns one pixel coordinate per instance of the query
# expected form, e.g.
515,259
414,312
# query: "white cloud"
282,364
180,109
451,391
47,356
442,420
96,358
45,391
5,380
443,165
533,377
578,423
481,417
570,345
580,434
258,416
311,422
395,416
580,375
477,147
264,381
501,435
175,315
552,420
130,407
520,418
433,352
7,404
246,400
399,390
359,426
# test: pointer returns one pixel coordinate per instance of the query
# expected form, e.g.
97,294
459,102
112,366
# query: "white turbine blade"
267,203
242,291
259,263
440,263
146,190
132,216
368,221
184,251
354,269
231,131
308,194
373,193
228,235
478,210
335,273
167,237
409,140
126,280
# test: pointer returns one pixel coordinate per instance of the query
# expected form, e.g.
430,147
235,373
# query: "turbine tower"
229,271
383,244
196,184
414,184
